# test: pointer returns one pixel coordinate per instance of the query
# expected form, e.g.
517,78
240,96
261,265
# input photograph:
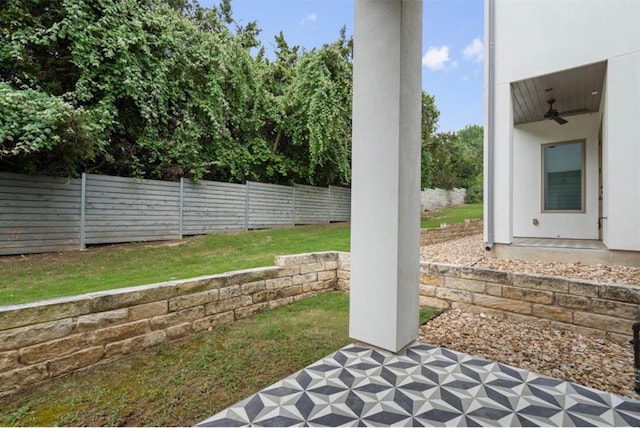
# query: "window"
563,176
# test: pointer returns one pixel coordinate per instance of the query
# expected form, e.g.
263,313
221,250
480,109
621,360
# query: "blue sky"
452,44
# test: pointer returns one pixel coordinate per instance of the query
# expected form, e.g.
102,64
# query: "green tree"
171,95
318,121
455,160
469,142
36,127
430,117
166,89
442,150
277,76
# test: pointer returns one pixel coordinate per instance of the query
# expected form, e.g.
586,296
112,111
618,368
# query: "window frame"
583,153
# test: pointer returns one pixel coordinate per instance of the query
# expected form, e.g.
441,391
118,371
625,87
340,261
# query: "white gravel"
470,251
561,354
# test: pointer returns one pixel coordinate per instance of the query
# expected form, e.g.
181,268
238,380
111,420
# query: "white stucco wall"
537,37
621,153
527,188
503,166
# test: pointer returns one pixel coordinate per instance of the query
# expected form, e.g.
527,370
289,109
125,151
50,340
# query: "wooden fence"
42,214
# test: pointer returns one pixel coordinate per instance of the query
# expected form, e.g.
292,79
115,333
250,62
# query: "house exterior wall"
503,166
621,152
537,37
527,186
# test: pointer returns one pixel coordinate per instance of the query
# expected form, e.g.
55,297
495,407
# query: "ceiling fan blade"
574,112
559,120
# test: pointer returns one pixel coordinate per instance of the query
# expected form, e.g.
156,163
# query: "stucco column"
385,229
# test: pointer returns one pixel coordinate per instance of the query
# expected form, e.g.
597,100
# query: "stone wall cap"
44,302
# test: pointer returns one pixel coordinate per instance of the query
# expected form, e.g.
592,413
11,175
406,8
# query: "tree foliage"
33,123
317,107
164,89
168,89
430,116
455,160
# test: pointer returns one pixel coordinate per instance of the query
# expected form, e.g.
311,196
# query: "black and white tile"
425,385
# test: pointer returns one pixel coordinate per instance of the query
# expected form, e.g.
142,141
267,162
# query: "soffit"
573,89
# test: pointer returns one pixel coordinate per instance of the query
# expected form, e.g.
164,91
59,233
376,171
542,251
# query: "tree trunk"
277,142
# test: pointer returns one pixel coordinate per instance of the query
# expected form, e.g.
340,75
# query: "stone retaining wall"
43,340
47,339
589,308
448,232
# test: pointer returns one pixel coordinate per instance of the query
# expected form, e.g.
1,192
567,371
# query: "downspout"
491,111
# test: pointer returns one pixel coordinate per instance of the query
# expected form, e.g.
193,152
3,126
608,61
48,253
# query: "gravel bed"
470,251
561,354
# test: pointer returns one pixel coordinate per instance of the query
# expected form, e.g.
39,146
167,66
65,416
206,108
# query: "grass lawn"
40,276
451,215
183,383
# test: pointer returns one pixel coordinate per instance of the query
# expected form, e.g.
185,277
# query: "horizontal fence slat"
203,231
54,204
133,206
104,219
128,238
36,181
38,222
138,195
25,193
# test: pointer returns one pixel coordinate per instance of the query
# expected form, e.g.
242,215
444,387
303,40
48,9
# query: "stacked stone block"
448,232
590,308
47,339
344,271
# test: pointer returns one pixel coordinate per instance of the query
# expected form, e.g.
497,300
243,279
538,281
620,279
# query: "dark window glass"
563,176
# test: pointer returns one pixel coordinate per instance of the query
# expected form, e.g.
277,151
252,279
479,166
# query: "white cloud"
309,19
474,51
436,58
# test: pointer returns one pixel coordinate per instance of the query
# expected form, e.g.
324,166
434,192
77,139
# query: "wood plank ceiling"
575,91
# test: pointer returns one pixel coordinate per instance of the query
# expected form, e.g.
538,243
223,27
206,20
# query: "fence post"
294,204
83,204
329,205
246,205
181,207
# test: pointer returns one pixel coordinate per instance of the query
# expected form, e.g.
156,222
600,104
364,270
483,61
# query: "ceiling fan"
552,114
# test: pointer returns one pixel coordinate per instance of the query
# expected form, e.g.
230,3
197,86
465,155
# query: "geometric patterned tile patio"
425,385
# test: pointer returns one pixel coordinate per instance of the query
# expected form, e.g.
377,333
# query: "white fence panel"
38,214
